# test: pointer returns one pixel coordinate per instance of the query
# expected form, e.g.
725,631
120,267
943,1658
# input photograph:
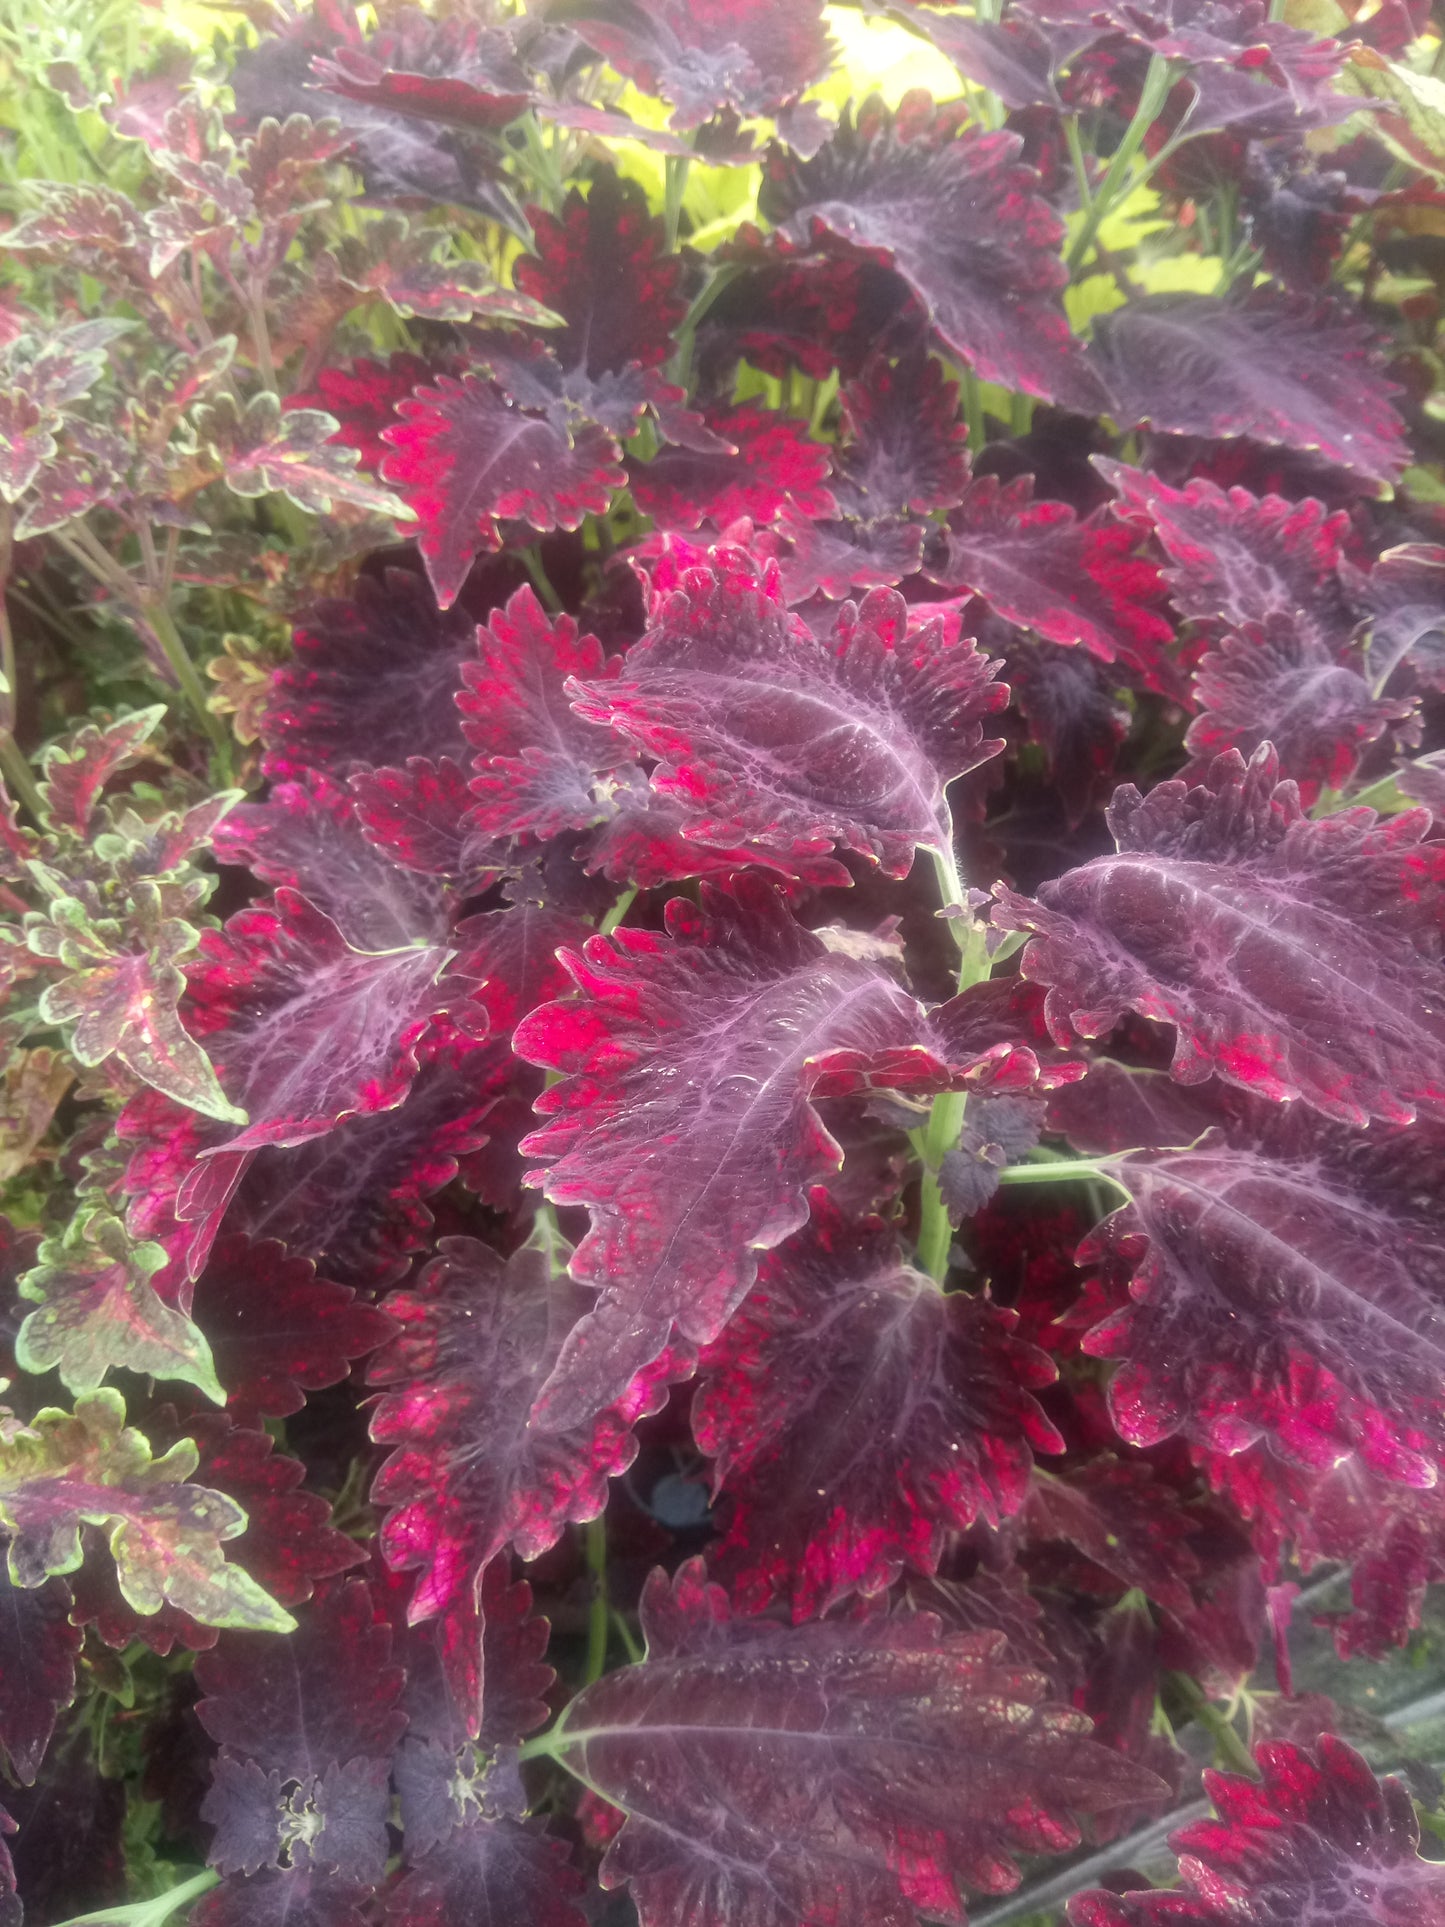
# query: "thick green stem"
598,1614
935,1233
19,775
1230,1749
150,1913
1117,181
1061,1171
618,911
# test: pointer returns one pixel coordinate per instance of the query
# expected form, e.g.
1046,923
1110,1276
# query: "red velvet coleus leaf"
277,1330
38,1648
463,455
473,1471
747,55
860,1772
797,307
857,1416
537,759
1274,682
775,736
511,955
417,816
459,72
603,266
775,464
373,681
1236,558
905,449
1123,1519
362,397
309,835
1069,581
1317,1838
1288,1282
1293,958
1281,369
684,1120
1073,712
960,218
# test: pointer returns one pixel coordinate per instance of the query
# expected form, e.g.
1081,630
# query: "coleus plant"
715,1182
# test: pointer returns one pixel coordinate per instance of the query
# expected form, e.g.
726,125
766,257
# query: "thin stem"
1061,1171
625,1634
260,334
1155,92
598,1615
677,167
973,412
541,582
720,278
618,911
1075,143
187,675
19,775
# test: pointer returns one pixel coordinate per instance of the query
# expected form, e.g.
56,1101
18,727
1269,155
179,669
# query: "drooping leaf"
1279,368
860,1772
857,1416
471,1475
773,735
957,214
1293,958
66,1470
463,455
684,1118
38,1648
317,1711
373,681
278,1330
98,1310
1319,1839
536,758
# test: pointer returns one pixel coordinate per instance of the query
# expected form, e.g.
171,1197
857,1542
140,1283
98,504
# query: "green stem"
973,412
260,334
550,599
720,278
618,911
677,167
19,775
1061,1171
1075,143
1230,1749
1116,182
598,1616
935,1232
150,1913
187,675
625,1634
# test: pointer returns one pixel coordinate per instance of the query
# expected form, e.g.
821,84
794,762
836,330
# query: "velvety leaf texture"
959,217
1273,367
1294,958
744,54
471,1475
38,1648
773,466
1318,1839
773,735
865,1772
668,1117
856,1414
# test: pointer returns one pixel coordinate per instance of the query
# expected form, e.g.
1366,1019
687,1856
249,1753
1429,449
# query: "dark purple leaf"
860,1772
747,55
489,1870
857,1416
1293,958
1280,368
959,217
775,466
38,1647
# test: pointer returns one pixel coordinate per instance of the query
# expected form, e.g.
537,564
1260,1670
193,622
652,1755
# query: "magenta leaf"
362,396
38,1648
417,818
280,1331
1319,1839
857,1415
1403,599
746,55
774,465
1293,958
306,1726
663,1125
471,1473
1071,582
512,956
458,72
775,736
536,758
1279,368
373,681
463,455
864,1771
960,218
